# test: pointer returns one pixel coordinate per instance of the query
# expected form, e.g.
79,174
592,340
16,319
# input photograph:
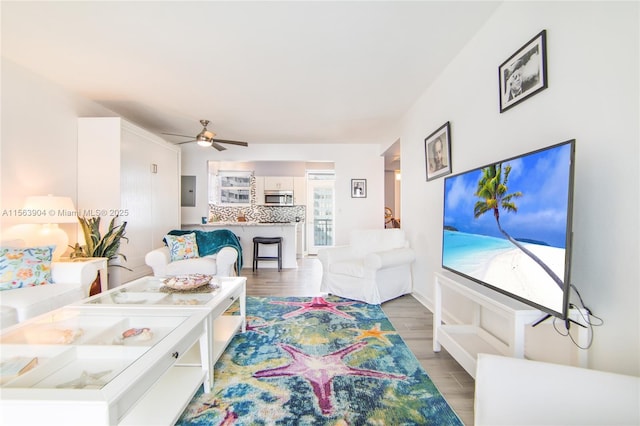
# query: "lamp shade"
49,209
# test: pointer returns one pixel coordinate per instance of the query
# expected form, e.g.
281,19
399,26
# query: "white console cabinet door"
125,170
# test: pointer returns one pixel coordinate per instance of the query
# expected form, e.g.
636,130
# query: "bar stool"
267,240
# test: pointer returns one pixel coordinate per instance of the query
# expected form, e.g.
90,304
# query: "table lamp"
49,211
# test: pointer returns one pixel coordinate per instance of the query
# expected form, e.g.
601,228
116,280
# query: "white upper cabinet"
300,191
278,183
259,186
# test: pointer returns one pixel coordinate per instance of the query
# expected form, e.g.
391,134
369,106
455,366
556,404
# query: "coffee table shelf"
163,404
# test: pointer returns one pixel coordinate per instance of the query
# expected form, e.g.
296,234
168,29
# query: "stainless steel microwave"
278,198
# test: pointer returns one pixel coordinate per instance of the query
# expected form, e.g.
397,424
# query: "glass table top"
152,291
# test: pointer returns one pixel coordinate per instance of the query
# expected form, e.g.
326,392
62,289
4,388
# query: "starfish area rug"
318,361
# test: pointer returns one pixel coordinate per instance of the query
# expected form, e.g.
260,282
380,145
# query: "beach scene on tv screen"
506,225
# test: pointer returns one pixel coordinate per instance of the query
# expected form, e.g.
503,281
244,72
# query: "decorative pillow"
25,267
182,246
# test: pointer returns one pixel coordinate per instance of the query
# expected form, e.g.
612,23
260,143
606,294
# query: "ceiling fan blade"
230,142
180,143
217,146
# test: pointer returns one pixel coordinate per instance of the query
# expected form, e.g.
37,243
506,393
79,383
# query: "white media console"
464,341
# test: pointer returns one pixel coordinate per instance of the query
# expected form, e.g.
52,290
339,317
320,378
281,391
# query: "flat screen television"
507,226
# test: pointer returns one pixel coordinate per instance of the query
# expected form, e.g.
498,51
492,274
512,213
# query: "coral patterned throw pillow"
25,267
182,246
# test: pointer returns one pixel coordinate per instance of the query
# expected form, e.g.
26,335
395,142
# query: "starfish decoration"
375,333
320,371
316,304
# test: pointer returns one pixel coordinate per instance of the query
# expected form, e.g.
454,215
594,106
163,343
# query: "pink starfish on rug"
321,370
317,304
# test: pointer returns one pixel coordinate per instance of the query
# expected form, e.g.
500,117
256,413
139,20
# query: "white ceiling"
263,72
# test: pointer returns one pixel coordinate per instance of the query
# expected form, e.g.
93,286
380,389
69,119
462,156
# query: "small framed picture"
358,188
525,72
437,151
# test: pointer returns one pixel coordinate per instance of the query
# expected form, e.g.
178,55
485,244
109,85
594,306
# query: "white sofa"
220,264
515,391
373,268
71,283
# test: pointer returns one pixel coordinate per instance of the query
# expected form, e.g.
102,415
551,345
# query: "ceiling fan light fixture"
206,138
203,140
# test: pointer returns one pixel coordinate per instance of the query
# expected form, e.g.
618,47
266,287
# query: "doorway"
392,194
320,210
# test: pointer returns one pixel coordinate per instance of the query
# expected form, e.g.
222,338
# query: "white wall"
39,140
592,96
351,161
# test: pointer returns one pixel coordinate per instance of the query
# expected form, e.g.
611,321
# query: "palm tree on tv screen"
493,193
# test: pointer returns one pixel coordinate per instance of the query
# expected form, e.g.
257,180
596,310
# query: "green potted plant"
97,245
102,246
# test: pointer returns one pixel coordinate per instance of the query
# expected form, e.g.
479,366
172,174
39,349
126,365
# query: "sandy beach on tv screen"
517,273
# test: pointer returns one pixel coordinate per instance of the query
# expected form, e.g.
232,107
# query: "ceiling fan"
206,138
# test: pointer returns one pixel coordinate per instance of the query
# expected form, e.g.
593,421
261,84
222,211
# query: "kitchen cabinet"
278,183
300,191
259,187
126,171
281,183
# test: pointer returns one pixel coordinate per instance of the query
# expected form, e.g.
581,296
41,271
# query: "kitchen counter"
246,231
235,223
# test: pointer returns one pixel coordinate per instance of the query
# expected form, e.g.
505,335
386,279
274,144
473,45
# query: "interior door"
320,208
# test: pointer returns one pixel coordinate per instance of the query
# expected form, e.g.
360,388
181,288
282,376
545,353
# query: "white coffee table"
137,381
146,293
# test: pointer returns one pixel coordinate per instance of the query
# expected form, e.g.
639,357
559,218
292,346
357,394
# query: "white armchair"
373,268
220,264
219,253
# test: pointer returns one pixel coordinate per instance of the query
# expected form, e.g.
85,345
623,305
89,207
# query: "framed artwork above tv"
525,72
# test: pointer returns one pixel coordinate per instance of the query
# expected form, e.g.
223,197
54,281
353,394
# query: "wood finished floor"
409,317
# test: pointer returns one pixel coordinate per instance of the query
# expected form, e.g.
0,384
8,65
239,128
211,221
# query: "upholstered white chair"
516,391
373,268
219,253
220,264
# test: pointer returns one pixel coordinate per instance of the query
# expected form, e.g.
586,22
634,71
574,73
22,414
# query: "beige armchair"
373,268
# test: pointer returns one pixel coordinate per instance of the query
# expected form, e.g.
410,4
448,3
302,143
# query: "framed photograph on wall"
358,188
525,72
437,151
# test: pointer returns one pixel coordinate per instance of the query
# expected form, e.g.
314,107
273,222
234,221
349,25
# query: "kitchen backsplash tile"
257,213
